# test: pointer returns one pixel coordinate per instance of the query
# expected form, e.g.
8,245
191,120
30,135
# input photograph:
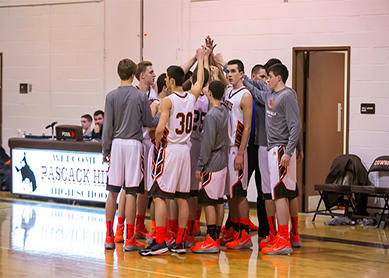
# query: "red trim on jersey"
229,96
184,96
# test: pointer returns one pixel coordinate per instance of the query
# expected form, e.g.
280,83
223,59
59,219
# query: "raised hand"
219,59
207,50
200,53
209,43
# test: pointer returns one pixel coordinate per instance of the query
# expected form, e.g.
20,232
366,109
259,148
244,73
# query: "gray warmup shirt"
213,154
127,110
283,122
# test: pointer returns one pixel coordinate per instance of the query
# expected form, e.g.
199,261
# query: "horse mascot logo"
27,173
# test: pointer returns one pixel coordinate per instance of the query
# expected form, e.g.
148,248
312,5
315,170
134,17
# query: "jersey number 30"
186,123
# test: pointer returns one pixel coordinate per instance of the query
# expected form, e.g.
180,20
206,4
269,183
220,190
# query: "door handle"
339,117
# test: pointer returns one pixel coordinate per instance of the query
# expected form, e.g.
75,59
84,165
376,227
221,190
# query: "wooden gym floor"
44,239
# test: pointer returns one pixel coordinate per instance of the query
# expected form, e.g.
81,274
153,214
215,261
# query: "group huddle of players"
183,142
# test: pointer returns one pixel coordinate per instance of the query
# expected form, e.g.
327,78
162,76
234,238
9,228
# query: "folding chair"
380,164
343,192
345,170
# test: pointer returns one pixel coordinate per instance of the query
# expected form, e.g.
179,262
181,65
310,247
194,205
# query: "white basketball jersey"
235,123
180,123
152,96
200,110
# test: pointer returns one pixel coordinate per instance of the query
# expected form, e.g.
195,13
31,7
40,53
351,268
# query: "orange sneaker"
119,233
228,235
208,245
280,246
109,243
252,226
150,236
242,242
266,241
294,240
196,228
132,245
141,231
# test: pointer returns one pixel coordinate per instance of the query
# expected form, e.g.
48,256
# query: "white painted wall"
69,52
255,31
59,50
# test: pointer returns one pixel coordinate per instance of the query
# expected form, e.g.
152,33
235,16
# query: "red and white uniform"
171,168
236,184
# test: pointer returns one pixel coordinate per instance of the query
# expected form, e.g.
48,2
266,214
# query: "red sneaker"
252,226
132,244
266,241
228,235
109,242
242,242
141,231
119,233
294,240
208,245
280,246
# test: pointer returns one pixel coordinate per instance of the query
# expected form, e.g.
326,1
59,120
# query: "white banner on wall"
59,174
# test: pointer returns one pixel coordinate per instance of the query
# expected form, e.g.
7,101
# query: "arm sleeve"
257,94
208,141
109,118
155,120
293,121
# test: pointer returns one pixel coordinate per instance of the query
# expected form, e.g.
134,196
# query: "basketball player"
240,104
283,132
200,110
212,167
172,169
121,142
146,76
155,107
265,174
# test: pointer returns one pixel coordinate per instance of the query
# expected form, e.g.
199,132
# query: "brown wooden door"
324,119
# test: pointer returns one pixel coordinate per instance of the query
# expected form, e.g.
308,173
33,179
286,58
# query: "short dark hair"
177,73
217,89
161,82
279,69
126,69
271,62
256,68
141,67
206,77
87,117
98,112
237,62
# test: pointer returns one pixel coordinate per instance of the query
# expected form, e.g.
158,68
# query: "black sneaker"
154,249
177,248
